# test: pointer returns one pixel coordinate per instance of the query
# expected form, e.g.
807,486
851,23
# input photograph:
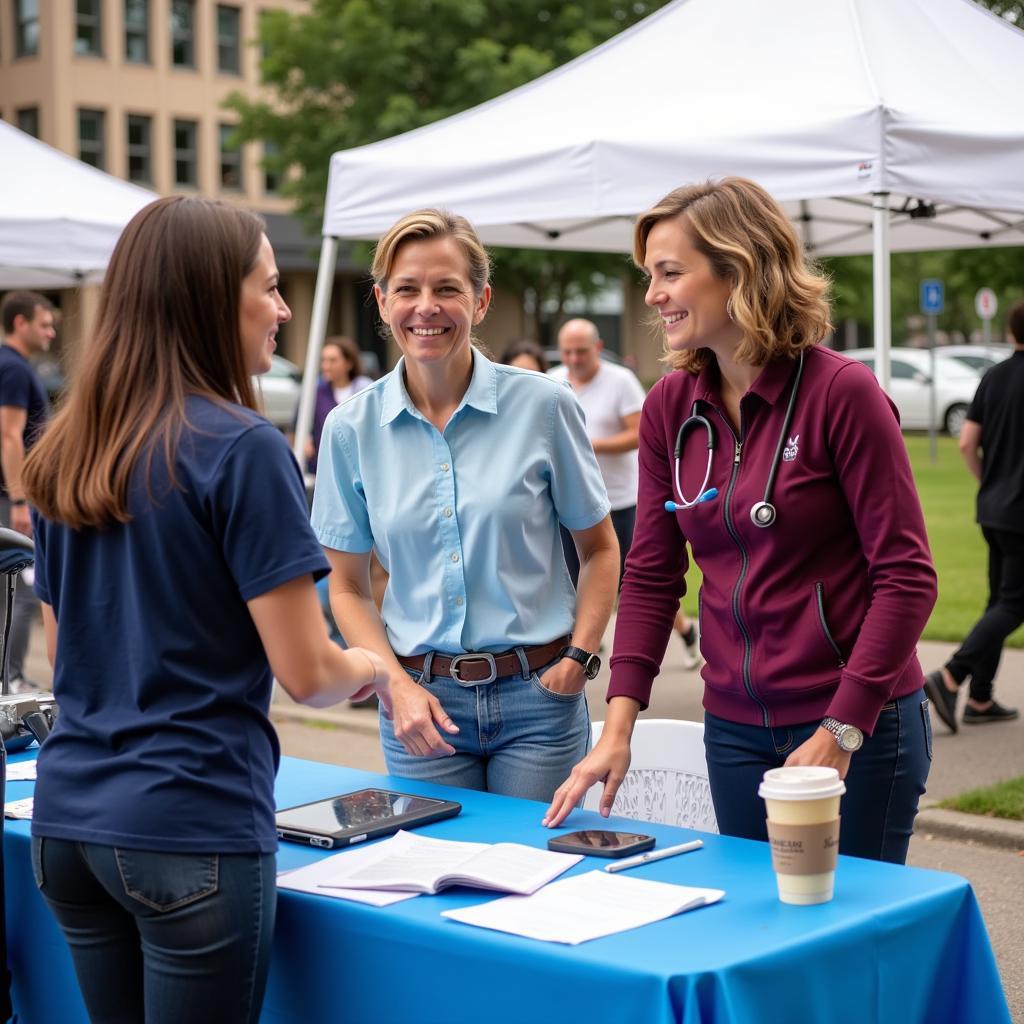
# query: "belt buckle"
453,669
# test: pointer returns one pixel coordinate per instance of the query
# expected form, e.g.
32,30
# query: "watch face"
592,667
851,739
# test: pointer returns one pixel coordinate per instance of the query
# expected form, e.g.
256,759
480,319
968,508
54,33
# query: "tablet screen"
353,810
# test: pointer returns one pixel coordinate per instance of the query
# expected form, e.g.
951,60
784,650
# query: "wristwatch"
849,737
591,662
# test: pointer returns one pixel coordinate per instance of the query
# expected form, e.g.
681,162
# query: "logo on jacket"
790,452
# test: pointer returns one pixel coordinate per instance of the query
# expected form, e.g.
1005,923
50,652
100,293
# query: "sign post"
933,301
985,305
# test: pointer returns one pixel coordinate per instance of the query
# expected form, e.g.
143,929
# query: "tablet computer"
355,817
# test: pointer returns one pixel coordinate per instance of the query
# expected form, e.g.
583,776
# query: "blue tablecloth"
899,945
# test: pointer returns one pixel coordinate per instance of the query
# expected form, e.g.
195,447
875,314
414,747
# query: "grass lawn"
961,558
1003,800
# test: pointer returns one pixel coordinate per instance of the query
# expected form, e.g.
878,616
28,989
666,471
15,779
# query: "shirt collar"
769,385
482,393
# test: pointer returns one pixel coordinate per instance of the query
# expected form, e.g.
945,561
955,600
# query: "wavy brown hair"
779,298
167,327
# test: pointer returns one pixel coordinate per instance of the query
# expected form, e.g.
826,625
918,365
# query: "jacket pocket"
819,597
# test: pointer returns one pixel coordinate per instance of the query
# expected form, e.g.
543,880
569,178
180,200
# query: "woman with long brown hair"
176,567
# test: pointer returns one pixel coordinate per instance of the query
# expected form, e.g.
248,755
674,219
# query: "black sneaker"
995,712
942,699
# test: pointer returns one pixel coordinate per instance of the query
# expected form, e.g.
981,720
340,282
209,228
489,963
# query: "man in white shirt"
611,397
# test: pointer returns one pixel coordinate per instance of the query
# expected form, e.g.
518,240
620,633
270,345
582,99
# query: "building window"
91,148
136,31
183,33
26,28
271,177
88,28
28,120
229,40
185,155
230,160
140,148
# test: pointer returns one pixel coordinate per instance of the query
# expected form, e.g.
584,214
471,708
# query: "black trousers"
623,522
979,654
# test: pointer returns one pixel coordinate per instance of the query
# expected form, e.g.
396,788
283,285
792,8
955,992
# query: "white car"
910,387
280,387
977,357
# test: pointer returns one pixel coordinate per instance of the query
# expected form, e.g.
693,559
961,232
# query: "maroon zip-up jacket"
818,614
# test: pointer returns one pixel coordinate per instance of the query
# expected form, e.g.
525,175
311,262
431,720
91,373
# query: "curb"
999,833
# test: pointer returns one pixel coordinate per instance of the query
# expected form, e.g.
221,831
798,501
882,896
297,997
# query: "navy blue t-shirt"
21,388
163,741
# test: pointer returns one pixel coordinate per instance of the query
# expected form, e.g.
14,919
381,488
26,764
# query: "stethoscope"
763,512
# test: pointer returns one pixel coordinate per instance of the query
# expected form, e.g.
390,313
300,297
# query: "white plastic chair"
667,781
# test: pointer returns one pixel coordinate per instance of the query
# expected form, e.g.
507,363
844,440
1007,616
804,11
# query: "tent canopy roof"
59,218
822,101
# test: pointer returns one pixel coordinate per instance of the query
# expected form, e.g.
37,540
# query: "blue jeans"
515,737
162,937
886,778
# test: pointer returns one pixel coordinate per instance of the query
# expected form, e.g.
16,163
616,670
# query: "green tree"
351,72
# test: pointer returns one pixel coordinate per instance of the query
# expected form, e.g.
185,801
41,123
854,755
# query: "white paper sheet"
584,907
23,771
308,879
19,809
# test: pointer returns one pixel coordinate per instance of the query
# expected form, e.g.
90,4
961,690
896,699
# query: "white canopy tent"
881,124
59,218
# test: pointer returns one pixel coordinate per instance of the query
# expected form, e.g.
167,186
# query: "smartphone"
600,842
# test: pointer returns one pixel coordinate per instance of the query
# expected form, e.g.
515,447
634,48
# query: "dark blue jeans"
886,779
162,937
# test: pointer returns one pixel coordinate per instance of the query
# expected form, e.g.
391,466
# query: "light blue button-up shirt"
464,521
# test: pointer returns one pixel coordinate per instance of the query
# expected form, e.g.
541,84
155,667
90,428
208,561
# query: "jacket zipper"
819,589
748,646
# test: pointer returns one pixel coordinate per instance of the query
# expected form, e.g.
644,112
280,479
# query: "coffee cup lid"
801,782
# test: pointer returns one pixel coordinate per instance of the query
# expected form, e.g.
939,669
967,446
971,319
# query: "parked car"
280,387
910,387
977,357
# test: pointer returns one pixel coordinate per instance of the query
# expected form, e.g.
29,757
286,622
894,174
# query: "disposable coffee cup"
803,829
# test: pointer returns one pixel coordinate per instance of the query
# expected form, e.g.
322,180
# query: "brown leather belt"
478,667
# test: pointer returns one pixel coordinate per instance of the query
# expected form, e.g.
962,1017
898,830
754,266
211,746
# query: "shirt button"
455,556
447,513
444,466
459,601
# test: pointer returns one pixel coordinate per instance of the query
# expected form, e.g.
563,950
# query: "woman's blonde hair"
779,299
424,226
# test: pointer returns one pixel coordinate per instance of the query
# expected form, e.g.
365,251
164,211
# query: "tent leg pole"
317,332
882,281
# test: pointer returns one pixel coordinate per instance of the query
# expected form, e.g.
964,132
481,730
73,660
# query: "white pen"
646,858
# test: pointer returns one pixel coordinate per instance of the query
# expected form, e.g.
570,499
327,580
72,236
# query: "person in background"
175,565
992,444
457,471
341,377
611,398
814,596
28,324
526,354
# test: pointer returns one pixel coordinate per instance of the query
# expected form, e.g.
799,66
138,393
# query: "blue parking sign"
933,298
